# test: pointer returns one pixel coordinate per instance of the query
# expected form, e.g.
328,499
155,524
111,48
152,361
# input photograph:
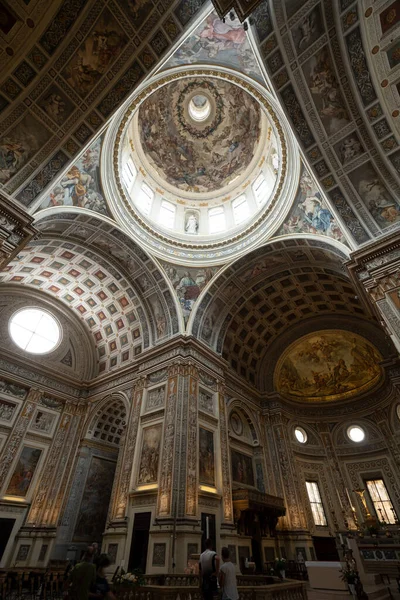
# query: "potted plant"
124,579
280,567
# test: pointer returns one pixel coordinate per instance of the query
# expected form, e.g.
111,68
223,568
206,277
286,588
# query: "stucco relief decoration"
80,186
43,422
11,389
7,410
125,462
47,485
328,365
311,213
204,155
155,398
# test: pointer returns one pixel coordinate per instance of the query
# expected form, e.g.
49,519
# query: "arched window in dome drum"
145,199
216,218
260,189
167,214
240,209
129,174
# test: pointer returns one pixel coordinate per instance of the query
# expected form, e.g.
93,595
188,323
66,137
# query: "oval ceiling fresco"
327,365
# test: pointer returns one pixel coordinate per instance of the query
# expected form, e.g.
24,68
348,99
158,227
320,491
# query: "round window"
199,107
356,433
301,435
34,330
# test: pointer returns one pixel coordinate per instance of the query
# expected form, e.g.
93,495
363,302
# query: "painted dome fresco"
327,365
199,134
204,165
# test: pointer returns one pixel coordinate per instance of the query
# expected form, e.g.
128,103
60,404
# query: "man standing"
82,577
227,577
208,571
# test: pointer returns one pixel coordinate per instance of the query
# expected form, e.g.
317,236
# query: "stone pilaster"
346,518
164,503
42,509
382,419
63,476
288,487
18,433
120,493
225,461
192,476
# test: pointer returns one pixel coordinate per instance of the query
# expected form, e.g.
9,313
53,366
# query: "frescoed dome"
203,162
199,135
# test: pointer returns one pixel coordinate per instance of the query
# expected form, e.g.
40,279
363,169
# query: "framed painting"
242,468
206,457
24,472
150,456
92,514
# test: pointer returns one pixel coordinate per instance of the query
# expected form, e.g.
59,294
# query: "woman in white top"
227,577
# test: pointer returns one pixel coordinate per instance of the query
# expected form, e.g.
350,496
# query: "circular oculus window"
355,433
300,435
199,107
35,330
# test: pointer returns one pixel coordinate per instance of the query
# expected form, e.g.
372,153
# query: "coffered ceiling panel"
319,58
256,300
81,59
97,272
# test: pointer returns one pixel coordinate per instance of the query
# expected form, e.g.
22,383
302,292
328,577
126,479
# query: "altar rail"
39,585
179,580
290,590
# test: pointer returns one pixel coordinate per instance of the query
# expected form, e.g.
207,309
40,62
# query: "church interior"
200,290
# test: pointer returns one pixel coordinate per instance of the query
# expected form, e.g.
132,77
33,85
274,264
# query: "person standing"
208,571
101,589
82,577
227,577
